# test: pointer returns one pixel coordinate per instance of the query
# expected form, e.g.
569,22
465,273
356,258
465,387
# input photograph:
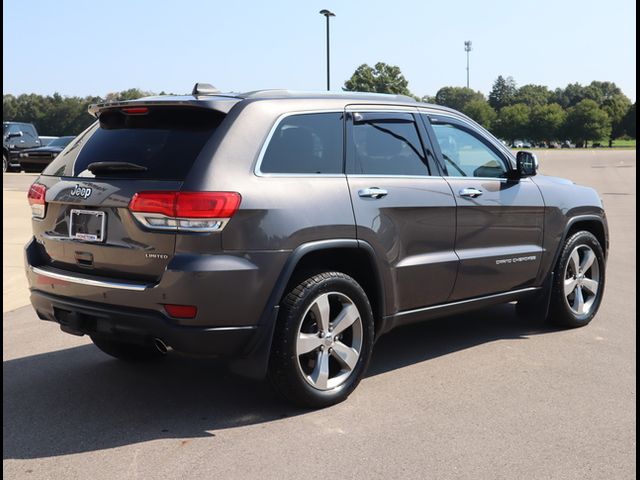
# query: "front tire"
323,340
128,352
5,164
578,283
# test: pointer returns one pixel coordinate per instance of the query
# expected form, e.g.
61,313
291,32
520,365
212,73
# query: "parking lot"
483,396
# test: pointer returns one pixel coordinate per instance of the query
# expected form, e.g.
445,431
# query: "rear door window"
385,144
309,143
164,142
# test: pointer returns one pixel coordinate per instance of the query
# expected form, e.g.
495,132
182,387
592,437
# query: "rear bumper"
229,290
142,326
235,318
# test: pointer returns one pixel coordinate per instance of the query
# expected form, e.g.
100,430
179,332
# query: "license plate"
87,225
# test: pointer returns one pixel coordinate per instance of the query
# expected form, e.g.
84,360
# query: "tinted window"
306,143
60,142
12,128
166,141
465,155
29,131
385,144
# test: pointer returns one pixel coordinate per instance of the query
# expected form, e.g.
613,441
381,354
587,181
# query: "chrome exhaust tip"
160,346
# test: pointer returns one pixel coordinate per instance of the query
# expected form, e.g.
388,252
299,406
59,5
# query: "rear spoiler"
218,103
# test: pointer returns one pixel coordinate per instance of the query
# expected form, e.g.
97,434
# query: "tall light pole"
327,14
467,48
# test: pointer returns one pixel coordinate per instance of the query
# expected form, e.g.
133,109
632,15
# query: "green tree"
9,107
610,98
55,114
587,121
513,122
629,121
382,78
481,112
532,95
130,94
503,92
457,97
569,96
546,122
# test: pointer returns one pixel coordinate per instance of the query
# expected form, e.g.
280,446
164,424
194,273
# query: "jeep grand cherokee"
288,231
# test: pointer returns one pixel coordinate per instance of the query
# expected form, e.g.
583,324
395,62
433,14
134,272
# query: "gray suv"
288,231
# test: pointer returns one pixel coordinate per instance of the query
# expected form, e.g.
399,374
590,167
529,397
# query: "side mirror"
527,163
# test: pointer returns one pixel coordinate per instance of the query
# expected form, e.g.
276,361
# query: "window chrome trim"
364,175
502,179
263,150
84,280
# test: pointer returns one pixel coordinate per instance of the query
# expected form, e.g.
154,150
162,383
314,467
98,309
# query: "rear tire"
129,352
580,271
323,340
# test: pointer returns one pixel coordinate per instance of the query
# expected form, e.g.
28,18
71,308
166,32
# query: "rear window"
165,141
308,143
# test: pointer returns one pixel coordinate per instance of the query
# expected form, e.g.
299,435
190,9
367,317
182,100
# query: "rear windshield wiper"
96,167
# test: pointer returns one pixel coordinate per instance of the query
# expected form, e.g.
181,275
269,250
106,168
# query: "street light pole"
327,14
467,48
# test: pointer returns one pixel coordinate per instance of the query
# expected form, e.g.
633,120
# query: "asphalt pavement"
480,396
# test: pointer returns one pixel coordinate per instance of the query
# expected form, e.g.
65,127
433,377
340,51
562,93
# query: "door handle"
470,192
373,192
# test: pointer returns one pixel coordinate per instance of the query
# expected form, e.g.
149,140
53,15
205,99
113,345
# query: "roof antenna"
204,89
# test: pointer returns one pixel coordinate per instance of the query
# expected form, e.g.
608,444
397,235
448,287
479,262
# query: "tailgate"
102,237
84,222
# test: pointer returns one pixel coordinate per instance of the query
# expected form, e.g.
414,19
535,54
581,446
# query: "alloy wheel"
329,341
581,280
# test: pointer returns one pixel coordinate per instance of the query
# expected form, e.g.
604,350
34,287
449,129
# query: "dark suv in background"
38,158
288,231
16,137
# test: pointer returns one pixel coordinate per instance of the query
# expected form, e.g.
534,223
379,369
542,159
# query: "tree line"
56,115
595,112
580,113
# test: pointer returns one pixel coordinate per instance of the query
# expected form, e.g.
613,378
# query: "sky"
80,48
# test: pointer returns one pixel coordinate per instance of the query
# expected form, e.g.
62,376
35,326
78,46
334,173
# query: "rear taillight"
36,196
188,211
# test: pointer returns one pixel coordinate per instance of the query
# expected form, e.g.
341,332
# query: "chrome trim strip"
462,302
348,109
142,218
136,287
365,175
224,329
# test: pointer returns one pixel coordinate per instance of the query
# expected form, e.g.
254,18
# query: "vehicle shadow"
79,400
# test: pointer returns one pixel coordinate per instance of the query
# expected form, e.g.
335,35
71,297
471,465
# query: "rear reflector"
36,196
181,311
191,211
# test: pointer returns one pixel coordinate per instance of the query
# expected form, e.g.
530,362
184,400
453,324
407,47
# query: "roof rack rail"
283,93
